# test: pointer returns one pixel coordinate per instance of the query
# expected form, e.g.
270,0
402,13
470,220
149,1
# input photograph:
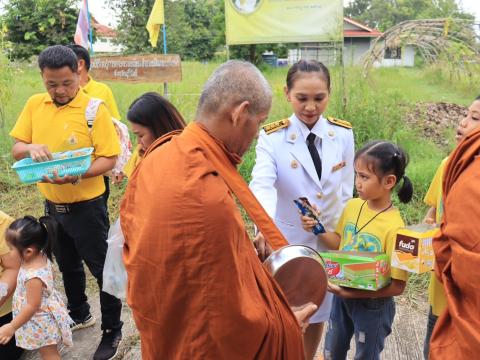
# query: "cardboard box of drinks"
360,270
413,249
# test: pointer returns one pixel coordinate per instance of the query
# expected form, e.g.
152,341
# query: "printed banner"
283,21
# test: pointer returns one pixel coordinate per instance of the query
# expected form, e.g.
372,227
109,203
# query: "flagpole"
164,30
90,33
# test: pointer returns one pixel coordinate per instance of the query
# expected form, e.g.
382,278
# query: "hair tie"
43,225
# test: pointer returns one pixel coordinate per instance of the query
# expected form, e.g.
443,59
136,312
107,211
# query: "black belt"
70,207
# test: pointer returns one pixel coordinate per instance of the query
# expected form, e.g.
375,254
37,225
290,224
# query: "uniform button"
331,133
293,136
319,195
294,164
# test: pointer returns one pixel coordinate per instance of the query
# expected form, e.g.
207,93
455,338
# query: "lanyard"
369,221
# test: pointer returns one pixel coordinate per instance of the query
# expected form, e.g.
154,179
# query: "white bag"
114,273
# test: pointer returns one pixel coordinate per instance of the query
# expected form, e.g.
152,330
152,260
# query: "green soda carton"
359,270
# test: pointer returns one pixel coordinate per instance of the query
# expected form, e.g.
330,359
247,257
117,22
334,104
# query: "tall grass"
375,106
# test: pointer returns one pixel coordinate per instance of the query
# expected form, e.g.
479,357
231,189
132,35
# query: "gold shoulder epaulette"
343,123
276,125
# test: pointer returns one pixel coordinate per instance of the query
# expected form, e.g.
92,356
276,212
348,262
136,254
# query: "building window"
395,53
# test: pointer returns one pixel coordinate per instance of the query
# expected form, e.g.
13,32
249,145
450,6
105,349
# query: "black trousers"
9,351
83,231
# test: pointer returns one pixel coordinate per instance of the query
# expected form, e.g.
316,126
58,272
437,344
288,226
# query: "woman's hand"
6,333
303,314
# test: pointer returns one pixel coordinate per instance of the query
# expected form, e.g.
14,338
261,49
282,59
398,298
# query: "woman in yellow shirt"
151,116
9,266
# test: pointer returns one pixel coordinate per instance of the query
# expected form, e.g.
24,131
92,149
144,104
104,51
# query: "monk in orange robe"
195,284
457,250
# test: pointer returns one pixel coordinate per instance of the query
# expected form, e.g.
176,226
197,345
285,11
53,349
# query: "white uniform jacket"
284,171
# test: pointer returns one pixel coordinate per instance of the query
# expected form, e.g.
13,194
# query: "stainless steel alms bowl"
300,273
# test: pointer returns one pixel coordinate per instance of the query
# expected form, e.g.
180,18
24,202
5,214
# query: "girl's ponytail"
50,227
405,193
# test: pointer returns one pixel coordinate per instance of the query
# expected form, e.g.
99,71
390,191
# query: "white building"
357,39
104,39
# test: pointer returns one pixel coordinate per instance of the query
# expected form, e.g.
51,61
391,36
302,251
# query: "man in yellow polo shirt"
55,121
95,89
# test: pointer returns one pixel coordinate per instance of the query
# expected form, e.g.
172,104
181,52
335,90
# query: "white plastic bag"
114,273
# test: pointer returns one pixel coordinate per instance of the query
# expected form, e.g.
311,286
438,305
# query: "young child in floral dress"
40,318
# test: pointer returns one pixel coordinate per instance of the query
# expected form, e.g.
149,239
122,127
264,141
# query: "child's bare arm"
10,263
430,216
34,300
395,288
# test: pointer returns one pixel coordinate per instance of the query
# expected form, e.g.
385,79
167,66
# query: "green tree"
33,25
383,14
193,27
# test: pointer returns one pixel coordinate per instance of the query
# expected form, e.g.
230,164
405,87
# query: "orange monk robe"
457,251
195,284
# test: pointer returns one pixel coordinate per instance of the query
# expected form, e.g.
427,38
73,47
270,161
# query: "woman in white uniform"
306,155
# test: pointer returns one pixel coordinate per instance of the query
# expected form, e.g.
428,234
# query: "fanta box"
413,249
359,270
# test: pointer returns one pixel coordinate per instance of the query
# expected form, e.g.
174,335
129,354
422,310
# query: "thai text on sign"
146,68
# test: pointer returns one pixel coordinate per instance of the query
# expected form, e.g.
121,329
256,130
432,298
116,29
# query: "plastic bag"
114,273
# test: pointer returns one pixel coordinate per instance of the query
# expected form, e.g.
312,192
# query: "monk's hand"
39,152
303,314
6,333
262,247
60,180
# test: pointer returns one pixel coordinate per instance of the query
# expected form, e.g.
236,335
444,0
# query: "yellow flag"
154,21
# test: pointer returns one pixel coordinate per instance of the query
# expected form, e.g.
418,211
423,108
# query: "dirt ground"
437,121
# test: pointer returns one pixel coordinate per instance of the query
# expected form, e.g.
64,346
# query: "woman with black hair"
151,116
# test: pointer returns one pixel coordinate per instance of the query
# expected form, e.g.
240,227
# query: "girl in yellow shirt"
368,223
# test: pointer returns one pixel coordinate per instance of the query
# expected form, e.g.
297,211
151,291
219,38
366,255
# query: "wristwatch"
77,180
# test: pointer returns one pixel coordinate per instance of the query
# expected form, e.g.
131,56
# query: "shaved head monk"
196,287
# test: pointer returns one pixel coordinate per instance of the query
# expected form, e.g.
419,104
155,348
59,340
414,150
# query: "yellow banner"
283,21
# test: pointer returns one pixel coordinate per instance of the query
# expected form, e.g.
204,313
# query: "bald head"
231,84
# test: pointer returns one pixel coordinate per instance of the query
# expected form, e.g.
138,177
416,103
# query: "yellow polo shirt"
133,161
65,128
101,91
5,222
436,293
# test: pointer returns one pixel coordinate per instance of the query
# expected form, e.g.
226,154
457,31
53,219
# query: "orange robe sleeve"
457,251
195,285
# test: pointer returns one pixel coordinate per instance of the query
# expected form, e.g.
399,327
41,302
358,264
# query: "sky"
106,16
